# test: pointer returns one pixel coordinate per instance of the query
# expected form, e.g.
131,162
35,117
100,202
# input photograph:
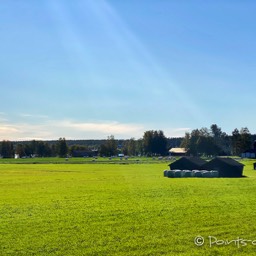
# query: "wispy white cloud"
26,115
8,131
53,129
48,129
177,132
104,127
171,132
3,117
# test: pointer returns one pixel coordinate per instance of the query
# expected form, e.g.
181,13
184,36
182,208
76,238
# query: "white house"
177,152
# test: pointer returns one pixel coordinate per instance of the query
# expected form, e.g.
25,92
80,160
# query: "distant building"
177,152
85,153
250,153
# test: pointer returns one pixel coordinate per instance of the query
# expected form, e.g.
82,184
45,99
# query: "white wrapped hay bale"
215,174
177,173
197,173
193,172
183,173
189,173
170,174
186,173
206,174
166,173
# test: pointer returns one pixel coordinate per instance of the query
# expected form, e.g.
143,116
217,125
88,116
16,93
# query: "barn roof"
195,160
250,151
227,167
229,161
178,150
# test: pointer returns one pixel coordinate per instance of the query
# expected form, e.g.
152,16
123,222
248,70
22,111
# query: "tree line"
8,149
152,143
214,141
203,141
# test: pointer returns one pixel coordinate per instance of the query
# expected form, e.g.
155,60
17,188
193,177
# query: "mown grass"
85,209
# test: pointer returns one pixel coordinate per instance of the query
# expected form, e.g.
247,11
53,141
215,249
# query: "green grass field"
117,209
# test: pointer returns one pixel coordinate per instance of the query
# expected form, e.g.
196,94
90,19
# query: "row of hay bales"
188,173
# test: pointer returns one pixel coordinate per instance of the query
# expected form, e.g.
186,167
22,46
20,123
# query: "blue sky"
88,69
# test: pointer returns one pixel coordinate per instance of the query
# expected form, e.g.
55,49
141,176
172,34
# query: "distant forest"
205,141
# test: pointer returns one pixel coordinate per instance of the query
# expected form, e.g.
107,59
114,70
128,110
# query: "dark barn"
85,153
188,163
227,167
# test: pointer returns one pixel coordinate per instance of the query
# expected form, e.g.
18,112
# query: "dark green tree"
155,143
139,147
193,144
20,150
27,149
216,131
201,142
131,147
62,147
185,143
148,142
236,141
246,139
109,147
7,149
221,140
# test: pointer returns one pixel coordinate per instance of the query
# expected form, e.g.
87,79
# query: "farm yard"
127,129
100,208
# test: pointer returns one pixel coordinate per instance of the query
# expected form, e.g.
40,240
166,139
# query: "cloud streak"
69,129
32,116
107,127
48,129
